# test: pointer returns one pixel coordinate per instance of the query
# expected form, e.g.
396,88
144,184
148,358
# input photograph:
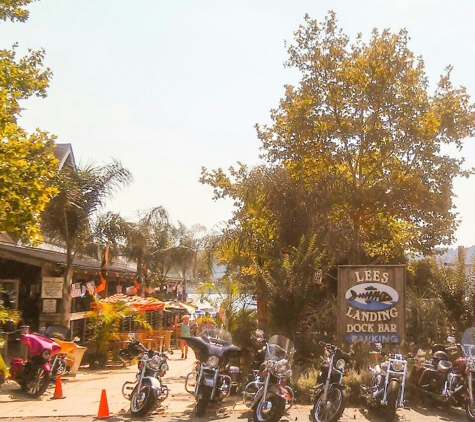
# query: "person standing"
185,333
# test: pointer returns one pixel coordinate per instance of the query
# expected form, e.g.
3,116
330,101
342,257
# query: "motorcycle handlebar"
391,355
327,345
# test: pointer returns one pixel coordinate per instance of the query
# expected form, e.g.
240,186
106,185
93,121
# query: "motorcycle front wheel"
331,409
38,384
203,400
470,409
391,406
250,391
144,400
269,410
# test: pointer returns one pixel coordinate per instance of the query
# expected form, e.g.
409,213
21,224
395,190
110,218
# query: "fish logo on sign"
372,296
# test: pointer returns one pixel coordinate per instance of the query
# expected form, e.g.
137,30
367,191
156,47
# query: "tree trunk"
65,307
261,303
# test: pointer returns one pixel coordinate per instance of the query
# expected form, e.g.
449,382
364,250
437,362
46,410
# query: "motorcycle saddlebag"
16,368
427,376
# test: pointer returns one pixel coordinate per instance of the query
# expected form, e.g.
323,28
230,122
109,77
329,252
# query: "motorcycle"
468,350
255,380
34,375
269,403
439,378
388,382
211,379
327,396
147,391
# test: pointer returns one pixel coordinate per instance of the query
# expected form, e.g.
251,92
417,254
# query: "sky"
169,87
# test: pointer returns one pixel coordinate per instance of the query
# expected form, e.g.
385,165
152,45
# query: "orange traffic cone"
103,407
58,389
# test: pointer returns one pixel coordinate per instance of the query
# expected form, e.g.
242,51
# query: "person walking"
185,333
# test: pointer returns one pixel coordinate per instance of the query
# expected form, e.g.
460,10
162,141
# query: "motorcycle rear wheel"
144,401
38,384
332,409
263,413
203,401
391,406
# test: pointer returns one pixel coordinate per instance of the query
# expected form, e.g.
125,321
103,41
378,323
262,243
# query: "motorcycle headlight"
270,364
212,362
340,364
154,363
164,367
397,366
281,366
45,354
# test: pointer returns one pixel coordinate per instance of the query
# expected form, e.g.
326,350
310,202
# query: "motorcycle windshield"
468,342
279,347
217,333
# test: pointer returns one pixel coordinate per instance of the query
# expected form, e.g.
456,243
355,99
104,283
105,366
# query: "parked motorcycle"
34,375
211,379
270,401
468,350
328,396
441,377
147,391
388,383
256,379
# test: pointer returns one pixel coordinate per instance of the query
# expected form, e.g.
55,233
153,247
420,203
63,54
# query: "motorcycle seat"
441,355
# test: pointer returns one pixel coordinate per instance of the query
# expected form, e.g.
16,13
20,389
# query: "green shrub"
304,384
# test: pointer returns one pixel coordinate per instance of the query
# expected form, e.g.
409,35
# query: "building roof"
38,257
64,153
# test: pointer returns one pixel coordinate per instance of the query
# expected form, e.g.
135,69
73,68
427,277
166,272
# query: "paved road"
298,413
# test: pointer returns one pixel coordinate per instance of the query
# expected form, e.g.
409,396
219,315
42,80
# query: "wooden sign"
49,306
52,288
371,302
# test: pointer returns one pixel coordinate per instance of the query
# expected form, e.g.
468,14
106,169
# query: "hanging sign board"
52,288
371,303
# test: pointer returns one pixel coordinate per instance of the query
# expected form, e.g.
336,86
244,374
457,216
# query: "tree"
27,162
13,10
267,219
147,243
354,159
188,251
362,130
67,218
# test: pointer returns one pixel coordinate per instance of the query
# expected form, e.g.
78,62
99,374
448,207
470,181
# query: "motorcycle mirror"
76,339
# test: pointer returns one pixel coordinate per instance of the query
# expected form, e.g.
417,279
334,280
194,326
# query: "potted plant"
104,322
6,315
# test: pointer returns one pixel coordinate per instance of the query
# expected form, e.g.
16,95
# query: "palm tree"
67,218
147,243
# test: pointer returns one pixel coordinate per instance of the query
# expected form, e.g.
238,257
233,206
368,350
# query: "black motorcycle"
468,350
211,379
441,377
328,396
388,383
147,391
272,397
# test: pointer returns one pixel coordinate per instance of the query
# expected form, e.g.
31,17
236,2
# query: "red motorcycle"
34,375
